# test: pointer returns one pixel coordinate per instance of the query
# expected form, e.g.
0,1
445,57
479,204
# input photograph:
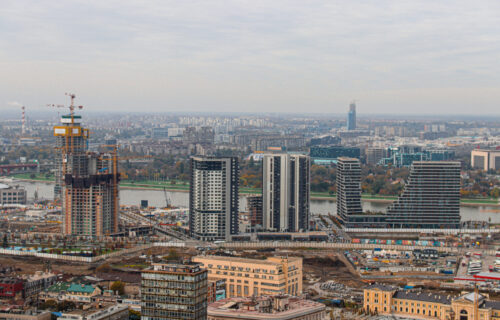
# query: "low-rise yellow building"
382,299
253,277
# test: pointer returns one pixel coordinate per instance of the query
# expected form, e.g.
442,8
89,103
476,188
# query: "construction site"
86,182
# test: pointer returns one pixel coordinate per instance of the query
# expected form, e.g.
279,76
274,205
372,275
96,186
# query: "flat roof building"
8,313
109,311
485,159
36,283
10,287
286,192
276,307
253,277
12,195
174,291
348,189
213,198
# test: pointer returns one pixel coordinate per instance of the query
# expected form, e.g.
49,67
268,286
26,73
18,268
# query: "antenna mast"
23,128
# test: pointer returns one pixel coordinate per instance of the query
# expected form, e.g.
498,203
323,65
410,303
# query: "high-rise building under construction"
86,182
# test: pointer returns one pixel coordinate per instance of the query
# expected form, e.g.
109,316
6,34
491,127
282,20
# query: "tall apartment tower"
351,117
431,198
485,159
348,188
174,291
286,192
213,198
86,182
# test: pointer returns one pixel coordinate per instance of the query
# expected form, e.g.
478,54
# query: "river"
181,199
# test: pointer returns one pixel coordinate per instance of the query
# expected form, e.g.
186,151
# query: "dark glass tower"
431,198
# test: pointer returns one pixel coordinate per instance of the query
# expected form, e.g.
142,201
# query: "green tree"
134,315
49,305
5,242
66,305
119,287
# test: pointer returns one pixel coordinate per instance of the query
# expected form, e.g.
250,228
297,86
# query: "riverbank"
183,187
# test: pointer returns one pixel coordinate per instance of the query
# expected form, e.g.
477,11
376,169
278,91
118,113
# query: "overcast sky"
257,55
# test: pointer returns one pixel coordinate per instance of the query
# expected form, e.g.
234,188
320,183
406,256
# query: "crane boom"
71,107
167,201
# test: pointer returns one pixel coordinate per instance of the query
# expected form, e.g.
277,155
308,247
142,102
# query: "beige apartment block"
485,159
253,277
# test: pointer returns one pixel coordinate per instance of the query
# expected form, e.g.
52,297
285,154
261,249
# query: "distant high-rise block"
86,182
431,197
213,198
286,192
174,291
374,155
351,117
348,188
485,159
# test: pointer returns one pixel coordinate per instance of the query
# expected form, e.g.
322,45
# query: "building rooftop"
16,310
381,287
246,260
58,287
81,288
9,280
39,275
422,296
471,296
264,307
176,267
495,305
103,309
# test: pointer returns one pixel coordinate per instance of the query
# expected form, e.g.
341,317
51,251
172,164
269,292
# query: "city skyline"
394,57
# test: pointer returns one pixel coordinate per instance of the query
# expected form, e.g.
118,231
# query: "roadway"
165,230
326,246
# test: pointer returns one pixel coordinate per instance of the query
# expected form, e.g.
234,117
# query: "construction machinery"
168,204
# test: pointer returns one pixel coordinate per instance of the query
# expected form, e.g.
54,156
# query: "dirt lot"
25,265
331,268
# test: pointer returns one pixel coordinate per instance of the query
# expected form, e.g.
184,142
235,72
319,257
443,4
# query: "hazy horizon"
393,57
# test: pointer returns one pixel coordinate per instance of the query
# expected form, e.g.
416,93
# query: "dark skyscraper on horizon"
351,117
431,197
